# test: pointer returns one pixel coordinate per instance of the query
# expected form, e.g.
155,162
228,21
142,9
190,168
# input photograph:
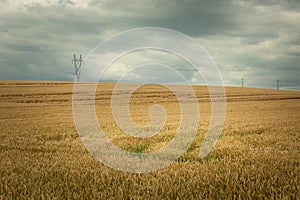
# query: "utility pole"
77,64
242,82
277,83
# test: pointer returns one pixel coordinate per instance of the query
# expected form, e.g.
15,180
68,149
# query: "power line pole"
242,82
77,64
277,83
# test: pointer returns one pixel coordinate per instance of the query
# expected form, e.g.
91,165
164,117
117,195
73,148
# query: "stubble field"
42,156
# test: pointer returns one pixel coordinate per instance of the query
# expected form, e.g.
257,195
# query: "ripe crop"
42,156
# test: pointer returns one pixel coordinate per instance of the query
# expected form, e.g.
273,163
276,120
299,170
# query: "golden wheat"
42,157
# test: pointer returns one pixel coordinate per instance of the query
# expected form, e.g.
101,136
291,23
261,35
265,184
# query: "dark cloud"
191,17
38,39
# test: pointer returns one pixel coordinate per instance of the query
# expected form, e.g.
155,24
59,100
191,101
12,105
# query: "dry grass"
42,157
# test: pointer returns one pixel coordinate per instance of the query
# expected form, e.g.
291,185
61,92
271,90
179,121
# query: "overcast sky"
257,40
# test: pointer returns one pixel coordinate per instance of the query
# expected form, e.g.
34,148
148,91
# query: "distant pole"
277,83
242,82
77,64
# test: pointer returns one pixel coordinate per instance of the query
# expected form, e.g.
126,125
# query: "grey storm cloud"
259,40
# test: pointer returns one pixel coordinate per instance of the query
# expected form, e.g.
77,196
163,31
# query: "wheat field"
42,157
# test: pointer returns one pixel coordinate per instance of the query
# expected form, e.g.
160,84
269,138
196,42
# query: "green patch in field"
212,156
58,136
139,148
192,157
189,157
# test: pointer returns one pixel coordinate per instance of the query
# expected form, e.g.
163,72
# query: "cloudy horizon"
258,41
